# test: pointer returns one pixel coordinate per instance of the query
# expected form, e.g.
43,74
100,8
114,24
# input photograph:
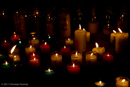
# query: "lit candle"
69,41
34,62
121,42
56,58
73,68
33,55
107,57
5,44
5,65
80,39
112,37
49,72
35,41
65,51
93,26
45,48
16,59
76,57
122,82
91,58
14,37
87,35
30,49
99,84
99,50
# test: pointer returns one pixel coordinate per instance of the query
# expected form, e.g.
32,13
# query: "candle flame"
80,26
6,62
114,31
49,69
96,45
100,82
64,47
5,41
119,30
69,39
34,59
76,53
45,43
83,28
108,25
73,65
33,54
122,15
91,54
123,80
14,32
30,46
34,38
13,48
108,55
56,54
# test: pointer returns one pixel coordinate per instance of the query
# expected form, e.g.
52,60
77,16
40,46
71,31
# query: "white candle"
76,57
92,58
112,37
80,39
121,42
122,82
65,27
99,50
29,49
56,58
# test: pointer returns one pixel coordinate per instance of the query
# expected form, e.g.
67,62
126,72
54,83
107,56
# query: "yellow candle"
76,57
69,41
56,58
99,50
29,49
35,41
91,57
112,36
122,82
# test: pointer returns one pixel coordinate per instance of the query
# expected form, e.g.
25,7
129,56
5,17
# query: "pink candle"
5,44
73,69
45,48
15,37
34,62
65,51
108,57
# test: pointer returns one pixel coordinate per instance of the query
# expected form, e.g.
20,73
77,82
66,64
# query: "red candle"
73,69
65,51
45,48
15,37
34,62
107,57
33,55
5,45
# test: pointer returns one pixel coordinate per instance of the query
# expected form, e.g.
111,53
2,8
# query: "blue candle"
49,72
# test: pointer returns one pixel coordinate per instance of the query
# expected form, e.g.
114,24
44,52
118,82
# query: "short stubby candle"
99,84
91,58
30,49
45,48
99,50
107,57
5,45
49,72
14,37
76,56
65,51
34,41
122,82
73,68
69,41
34,55
34,62
56,58
5,65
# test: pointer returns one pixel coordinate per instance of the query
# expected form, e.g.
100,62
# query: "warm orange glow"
108,55
45,43
6,62
73,65
5,41
119,30
34,59
33,54
64,47
91,54
56,54
76,53
30,46
69,39
96,45
123,80
100,82
49,69
34,38
13,48
83,28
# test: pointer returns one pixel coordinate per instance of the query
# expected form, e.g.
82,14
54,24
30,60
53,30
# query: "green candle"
5,65
1,56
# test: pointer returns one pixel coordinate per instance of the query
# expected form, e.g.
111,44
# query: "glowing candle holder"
14,37
34,55
122,82
49,72
91,58
45,47
5,44
34,41
69,41
34,62
107,57
73,68
99,84
5,65
76,56
30,49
